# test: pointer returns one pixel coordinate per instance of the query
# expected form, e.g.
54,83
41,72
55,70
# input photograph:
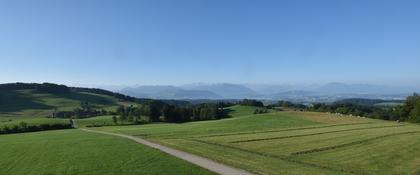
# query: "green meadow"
75,152
293,142
278,142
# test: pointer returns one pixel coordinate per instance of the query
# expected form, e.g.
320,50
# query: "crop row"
312,134
351,143
283,158
281,130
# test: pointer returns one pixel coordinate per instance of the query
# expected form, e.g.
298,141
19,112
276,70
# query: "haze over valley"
298,93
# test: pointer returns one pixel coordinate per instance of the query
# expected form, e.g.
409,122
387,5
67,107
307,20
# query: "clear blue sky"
239,41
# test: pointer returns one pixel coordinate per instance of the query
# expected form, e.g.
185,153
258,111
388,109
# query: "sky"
127,42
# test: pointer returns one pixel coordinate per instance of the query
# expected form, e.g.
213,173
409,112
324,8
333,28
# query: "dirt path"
194,159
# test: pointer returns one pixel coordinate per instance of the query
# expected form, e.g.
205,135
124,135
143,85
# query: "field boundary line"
281,130
284,158
312,134
194,159
351,143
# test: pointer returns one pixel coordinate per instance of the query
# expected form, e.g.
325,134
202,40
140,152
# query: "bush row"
24,127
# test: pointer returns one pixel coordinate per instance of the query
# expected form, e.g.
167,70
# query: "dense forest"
250,102
41,88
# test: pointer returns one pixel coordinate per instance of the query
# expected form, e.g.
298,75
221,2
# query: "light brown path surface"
194,159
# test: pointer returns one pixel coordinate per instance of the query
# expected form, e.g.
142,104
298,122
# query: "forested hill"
41,100
60,89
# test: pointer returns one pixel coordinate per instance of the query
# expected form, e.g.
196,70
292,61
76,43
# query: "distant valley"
297,93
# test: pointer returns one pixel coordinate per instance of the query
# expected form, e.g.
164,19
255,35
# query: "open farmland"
294,142
78,152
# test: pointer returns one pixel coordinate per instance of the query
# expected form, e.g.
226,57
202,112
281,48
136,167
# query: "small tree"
23,126
71,122
115,119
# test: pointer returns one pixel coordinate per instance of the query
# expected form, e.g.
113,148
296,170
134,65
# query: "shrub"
24,127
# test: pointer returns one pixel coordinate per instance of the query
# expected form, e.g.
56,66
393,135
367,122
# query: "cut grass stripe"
283,158
280,130
312,134
351,143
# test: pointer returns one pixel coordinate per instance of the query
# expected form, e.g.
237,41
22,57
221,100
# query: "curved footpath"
194,159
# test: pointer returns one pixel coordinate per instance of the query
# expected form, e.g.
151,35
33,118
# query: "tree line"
409,111
162,112
41,88
25,127
251,102
60,89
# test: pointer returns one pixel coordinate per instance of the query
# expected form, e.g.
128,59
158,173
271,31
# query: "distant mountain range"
225,90
308,93
168,92
192,91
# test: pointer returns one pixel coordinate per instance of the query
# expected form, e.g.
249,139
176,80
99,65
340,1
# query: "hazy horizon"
213,83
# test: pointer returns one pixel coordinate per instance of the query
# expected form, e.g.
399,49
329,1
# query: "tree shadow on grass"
14,101
228,112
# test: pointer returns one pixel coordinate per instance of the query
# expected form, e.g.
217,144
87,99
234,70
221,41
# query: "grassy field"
287,142
292,142
240,111
77,152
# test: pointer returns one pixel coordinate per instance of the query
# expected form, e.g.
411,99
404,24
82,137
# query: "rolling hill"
35,100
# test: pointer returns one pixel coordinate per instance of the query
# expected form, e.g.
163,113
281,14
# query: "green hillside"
56,104
28,107
27,103
26,100
241,110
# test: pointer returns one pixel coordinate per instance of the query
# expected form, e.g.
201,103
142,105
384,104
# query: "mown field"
76,152
292,142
